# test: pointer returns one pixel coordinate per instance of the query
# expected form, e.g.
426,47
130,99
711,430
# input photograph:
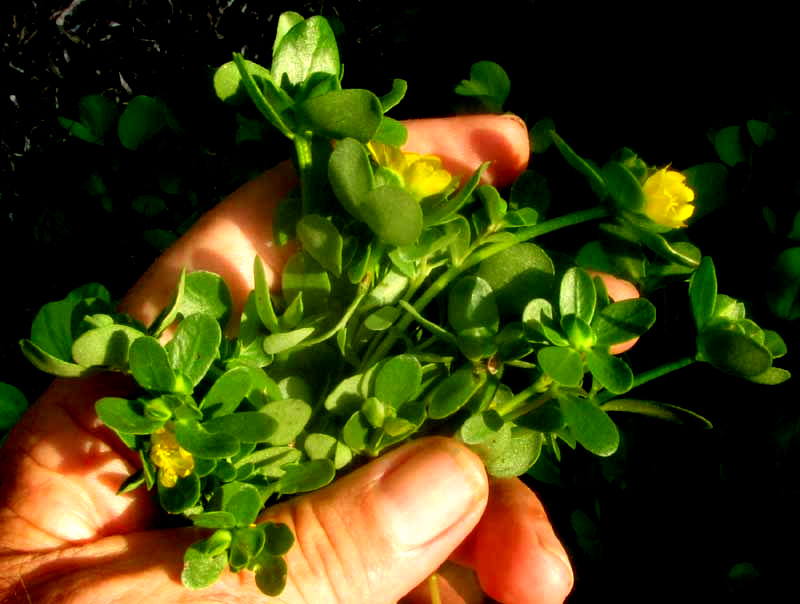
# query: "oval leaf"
454,392
195,346
398,380
392,214
126,416
564,365
149,365
350,113
590,425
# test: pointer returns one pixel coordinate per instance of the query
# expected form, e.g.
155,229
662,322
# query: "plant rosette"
429,302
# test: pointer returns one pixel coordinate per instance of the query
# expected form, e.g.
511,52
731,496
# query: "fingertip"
515,552
465,142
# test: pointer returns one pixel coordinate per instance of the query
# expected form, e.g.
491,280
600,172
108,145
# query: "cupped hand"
371,536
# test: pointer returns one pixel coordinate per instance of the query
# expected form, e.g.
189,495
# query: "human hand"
371,536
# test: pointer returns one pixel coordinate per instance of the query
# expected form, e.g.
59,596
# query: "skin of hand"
371,536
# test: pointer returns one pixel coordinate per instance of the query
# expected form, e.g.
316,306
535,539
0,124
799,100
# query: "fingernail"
428,492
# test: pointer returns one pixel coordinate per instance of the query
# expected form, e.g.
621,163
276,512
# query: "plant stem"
475,258
433,587
652,374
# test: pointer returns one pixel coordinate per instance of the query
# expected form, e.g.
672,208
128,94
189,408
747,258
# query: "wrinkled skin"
371,536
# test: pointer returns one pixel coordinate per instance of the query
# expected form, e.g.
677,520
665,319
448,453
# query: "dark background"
671,514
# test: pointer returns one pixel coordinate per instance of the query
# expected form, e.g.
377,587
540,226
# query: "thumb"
375,534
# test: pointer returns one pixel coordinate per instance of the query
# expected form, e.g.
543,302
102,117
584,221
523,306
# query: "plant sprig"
431,307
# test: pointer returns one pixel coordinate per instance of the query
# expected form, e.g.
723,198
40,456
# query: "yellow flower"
420,175
668,201
172,460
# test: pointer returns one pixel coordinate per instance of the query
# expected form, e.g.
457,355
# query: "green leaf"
322,241
398,380
488,83
382,319
12,405
207,293
391,132
579,334
351,113
271,573
53,327
564,365
350,175
126,416
346,397
98,113
590,425
247,543
783,285
471,304
279,538
760,132
374,411
392,214
703,293
279,342
670,413
518,274
455,391
291,415
623,187
201,571
480,427
729,350
143,118
105,346
319,446
307,48
248,426
195,346
577,295
588,169
771,377
612,372
184,495
530,191
242,500
399,88
517,456
304,477
150,366
263,299
170,313
541,135
622,321
214,520
774,343
46,362
728,145
270,461
356,431
198,441
227,392
303,274
709,183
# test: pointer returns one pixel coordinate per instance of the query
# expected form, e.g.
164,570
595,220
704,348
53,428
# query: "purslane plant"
426,300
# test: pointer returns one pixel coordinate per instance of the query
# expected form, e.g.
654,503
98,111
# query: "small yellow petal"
668,199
